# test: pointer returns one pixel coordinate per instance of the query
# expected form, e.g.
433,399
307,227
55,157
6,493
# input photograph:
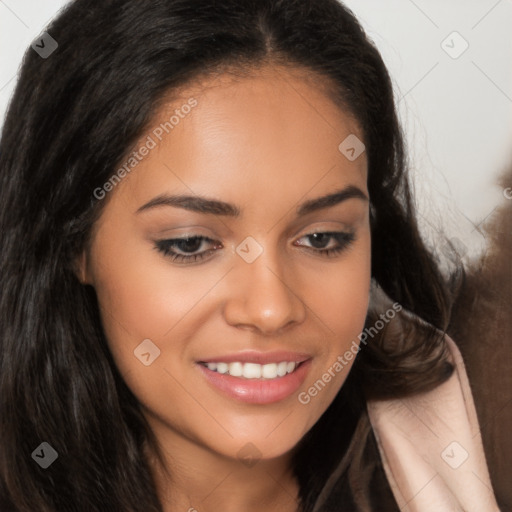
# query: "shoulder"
431,447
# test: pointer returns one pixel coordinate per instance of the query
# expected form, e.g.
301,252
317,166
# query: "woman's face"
242,172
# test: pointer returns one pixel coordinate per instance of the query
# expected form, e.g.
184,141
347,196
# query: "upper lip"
252,356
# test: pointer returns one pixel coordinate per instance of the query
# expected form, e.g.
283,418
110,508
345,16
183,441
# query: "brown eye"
185,246
320,240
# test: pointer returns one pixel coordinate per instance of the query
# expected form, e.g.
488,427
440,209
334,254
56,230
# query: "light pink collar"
431,447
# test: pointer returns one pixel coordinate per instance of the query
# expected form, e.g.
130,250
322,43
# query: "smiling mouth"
251,371
256,383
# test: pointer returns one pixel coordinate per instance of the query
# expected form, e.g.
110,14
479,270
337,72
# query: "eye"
185,250
320,242
186,245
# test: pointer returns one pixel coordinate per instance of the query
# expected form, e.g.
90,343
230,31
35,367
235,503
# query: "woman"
214,292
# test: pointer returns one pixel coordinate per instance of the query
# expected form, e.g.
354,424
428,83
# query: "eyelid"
343,238
324,226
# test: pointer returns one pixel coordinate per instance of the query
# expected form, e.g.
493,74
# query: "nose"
263,296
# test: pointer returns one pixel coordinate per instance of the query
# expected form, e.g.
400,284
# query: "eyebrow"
215,207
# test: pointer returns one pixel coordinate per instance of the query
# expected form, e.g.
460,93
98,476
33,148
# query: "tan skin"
266,143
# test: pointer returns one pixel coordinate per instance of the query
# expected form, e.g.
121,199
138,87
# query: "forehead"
273,126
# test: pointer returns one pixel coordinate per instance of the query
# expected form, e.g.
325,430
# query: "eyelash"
344,239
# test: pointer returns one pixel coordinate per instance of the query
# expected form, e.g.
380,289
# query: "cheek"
138,302
141,297
342,305
342,302
142,300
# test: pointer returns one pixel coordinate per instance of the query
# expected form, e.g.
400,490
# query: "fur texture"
481,324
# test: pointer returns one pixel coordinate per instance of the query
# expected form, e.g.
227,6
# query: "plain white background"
451,64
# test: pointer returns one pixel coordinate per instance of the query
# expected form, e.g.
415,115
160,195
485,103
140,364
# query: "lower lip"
257,391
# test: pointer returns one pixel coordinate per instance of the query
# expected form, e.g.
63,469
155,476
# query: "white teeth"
269,371
222,367
281,368
236,369
254,370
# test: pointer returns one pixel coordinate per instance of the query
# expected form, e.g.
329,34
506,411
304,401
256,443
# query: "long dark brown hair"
74,116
